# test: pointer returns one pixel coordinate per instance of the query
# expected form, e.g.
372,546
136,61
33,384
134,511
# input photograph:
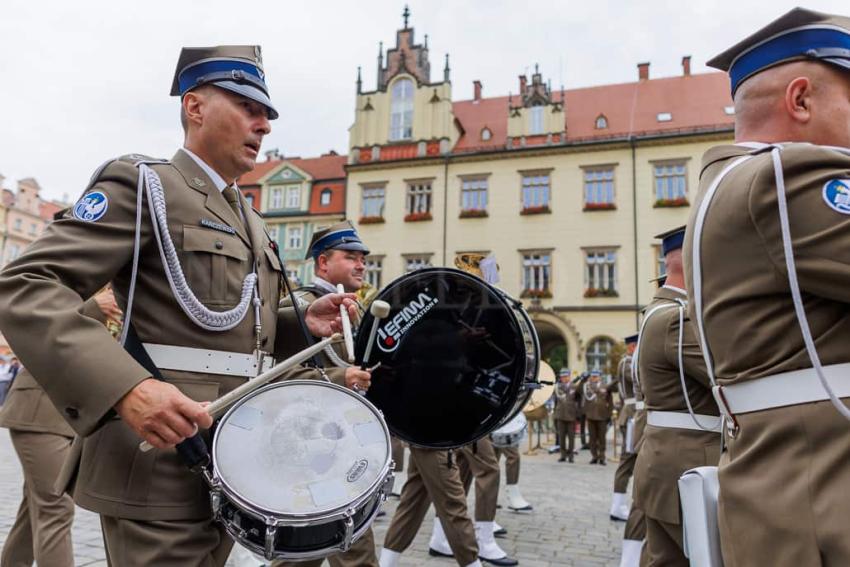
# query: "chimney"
643,71
477,90
522,83
272,154
686,65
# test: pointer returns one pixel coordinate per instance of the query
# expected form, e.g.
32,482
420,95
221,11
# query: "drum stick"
218,407
379,310
346,326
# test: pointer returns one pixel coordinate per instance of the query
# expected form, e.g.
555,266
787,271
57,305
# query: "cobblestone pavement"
569,524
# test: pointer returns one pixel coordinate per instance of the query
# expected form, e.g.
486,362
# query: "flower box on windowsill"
416,217
371,220
594,292
663,203
544,210
473,213
600,206
536,294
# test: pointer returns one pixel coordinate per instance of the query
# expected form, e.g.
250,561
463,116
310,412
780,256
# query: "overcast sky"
84,81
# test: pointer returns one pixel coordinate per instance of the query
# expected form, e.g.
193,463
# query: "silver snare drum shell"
510,434
300,469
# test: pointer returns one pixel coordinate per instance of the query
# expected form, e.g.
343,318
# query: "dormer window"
664,117
486,134
325,197
601,122
536,120
401,110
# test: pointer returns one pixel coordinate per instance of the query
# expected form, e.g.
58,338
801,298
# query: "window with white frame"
535,190
33,229
325,197
670,181
249,198
14,252
536,272
276,198
273,232
473,194
598,351
373,202
293,197
536,115
294,237
18,224
413,263
418,197
599,186
660,266
293,273
600,274
374,268
401,110
601,122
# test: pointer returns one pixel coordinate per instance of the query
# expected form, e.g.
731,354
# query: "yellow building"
565,187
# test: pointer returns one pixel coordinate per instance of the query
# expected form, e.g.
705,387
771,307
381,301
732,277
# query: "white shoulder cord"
682,306
128,313
584,393
194,309
621,377
800,311
636,354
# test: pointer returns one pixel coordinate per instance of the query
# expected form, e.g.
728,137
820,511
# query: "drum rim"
512,305
325,514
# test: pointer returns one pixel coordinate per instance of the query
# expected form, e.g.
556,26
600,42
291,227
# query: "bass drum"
458,358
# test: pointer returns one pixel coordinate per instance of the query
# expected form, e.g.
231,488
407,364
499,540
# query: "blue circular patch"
91,207
836,193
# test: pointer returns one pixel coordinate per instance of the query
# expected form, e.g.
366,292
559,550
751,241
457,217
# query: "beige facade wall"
567,231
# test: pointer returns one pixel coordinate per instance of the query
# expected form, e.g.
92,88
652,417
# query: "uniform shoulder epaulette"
117,168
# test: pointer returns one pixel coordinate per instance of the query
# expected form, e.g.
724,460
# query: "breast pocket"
215,264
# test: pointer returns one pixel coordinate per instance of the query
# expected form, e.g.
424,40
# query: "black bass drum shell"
453,358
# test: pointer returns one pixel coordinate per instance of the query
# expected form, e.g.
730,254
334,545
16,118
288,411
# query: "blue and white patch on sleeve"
91,207
836,193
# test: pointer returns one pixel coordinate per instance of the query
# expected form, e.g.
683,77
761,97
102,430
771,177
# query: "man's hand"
357,379
161,414
106,302
322,316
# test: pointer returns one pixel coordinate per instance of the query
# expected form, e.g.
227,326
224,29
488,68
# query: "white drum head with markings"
516,425
301,448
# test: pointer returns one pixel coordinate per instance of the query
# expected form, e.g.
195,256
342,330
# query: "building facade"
297,196
565,187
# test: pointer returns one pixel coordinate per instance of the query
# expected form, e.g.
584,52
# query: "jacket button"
219,244
72,412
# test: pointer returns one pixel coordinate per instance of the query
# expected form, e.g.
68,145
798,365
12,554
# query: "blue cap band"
220,70
672,242
796,43
333,239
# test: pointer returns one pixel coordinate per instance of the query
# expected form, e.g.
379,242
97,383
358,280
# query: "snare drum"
299,469
510,434
458,358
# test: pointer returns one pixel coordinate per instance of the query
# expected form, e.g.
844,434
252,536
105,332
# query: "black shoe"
594,461
616,519
585,446
501,561
395,495
381,514
602,462
501,532
434,553
570,459
562,459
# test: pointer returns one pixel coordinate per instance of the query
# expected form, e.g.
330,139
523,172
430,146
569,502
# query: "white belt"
630,401
640,405
189,359
683,420
785,389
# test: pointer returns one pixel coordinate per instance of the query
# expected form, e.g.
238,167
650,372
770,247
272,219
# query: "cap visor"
353,246
249,91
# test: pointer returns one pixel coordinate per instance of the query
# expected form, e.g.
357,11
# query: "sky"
82,82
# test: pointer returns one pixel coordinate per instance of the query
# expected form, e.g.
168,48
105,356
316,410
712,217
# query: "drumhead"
454,358
301,448
515,425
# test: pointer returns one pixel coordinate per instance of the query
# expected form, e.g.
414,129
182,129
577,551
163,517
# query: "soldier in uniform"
565,415
339,255
683,426
768,269
177,238
596,401
625,421
42,439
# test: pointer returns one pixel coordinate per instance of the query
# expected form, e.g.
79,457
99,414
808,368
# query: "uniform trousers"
664,547
478,460
624,472
566,437
636,525
431,475
42,528
398,453
361,554
511,463
583,428
785,488
171,543
597,429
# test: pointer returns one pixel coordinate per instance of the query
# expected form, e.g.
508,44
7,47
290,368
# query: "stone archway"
554,331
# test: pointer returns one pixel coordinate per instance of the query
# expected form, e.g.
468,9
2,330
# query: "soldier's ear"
191,113
798,99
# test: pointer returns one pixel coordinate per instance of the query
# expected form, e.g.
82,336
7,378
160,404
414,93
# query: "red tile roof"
328,166
696,102
337,204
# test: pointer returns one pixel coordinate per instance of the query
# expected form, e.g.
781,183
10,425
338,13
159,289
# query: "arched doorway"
559,342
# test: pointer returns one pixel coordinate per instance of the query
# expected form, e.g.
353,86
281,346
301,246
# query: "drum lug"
271,530
349,529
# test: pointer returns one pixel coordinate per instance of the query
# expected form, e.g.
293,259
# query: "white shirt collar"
217,179
324,284
676,289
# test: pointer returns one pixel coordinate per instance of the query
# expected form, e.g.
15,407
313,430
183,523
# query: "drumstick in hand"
379,310
346,326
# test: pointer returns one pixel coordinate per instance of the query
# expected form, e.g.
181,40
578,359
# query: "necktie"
229,193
